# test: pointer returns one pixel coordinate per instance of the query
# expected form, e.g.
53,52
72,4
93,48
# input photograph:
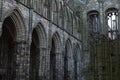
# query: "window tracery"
112,23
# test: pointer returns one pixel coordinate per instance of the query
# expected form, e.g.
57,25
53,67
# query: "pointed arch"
18,20
38,49
76,48
68,44
77,61
12,38
55,11
57,40
68,61
42,34
55,56
93,21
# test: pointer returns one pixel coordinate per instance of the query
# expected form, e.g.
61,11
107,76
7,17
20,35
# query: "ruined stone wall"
59,25
100,52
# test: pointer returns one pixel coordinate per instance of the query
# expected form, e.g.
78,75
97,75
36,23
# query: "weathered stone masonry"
39,31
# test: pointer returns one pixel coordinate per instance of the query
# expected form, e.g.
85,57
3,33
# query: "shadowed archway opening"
77,62
7,50
37,53
53,61
34,56
55,57
68,62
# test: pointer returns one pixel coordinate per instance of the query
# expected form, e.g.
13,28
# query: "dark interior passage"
7,50
34,57
53,62
66,64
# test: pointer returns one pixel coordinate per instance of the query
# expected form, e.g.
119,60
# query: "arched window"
38,5
93,21
61,17
55,11
112,22
68,20
46,9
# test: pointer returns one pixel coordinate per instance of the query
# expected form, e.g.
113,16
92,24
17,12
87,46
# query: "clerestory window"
93,21
112,23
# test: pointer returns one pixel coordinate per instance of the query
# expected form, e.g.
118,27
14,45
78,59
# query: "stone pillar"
102,25
118,21
44,67
0,28
0,9
70,68
59,66
22,60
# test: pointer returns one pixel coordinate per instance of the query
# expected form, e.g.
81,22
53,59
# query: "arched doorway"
7,50
34,56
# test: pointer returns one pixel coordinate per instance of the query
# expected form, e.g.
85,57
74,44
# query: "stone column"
22,60
0,9
70,68
59,66
102,26
0,29
118,21
44,67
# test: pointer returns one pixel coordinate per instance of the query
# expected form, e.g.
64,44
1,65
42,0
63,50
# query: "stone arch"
68,61
77,61
55,57
41,34
68,44
91,11
17,18
13,33
76,48
57,40
37,52
93,22
111,8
